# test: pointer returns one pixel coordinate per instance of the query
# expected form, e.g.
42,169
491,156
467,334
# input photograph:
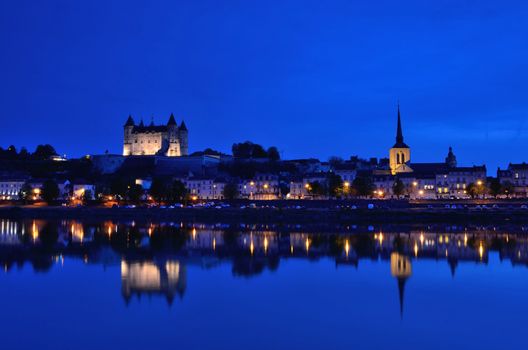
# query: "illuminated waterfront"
260,286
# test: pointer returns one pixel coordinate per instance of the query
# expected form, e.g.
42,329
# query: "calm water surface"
98,285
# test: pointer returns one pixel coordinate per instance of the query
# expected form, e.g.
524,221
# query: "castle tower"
400,153
451,160
174,147
184,139
128,128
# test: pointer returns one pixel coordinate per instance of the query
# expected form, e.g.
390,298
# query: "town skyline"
326,86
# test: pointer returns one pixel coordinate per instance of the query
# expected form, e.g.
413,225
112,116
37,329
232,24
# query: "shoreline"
316,216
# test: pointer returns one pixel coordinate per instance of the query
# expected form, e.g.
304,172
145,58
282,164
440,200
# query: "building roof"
468,168
518,166
428,168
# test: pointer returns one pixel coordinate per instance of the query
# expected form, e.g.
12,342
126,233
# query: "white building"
10,187
261,187
205,188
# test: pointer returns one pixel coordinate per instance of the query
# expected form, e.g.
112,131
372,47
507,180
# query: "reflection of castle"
401,269
149,278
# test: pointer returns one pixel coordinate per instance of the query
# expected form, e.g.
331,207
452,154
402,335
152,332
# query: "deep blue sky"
315,78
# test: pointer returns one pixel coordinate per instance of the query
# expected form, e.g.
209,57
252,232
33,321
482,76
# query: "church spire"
399,133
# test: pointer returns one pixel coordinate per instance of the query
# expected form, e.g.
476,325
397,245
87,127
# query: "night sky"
314,78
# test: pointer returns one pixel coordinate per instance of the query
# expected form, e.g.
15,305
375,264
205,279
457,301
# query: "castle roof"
399,134
149,129
183,126
171,121
152,128
130,121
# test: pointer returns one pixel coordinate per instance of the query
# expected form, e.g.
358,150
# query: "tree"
50,191
334,160
135,192
316,188
178,191
25,192
273,154
159,190
208,152
476,189
87,196
284,189
231,191
507,188
398,188
335,185
495,187
249,149
363,186
118,187
44,152
23,154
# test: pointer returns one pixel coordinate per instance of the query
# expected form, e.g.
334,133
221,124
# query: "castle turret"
451,160
174,148
184,139
128,128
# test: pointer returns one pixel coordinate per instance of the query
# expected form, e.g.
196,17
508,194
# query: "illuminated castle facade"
166,140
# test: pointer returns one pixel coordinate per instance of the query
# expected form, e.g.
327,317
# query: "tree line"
42,152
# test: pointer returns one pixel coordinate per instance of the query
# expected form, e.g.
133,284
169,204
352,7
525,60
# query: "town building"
260,187
516,177
11,185
205,188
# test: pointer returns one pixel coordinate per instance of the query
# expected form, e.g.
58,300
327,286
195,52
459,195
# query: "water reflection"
148,277
153,257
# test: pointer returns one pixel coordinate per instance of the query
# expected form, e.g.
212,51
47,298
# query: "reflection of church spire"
401,292
452,266
401,269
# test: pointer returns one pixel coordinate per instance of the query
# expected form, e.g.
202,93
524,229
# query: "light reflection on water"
154,264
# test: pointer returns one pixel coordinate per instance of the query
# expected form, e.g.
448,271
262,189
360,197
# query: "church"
426,180
168,140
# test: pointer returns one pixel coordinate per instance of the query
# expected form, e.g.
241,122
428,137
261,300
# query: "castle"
166,140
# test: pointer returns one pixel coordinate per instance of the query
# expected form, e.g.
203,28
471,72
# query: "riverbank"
401,213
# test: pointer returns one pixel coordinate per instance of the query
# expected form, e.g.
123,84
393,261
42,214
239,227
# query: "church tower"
400,153
451,160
